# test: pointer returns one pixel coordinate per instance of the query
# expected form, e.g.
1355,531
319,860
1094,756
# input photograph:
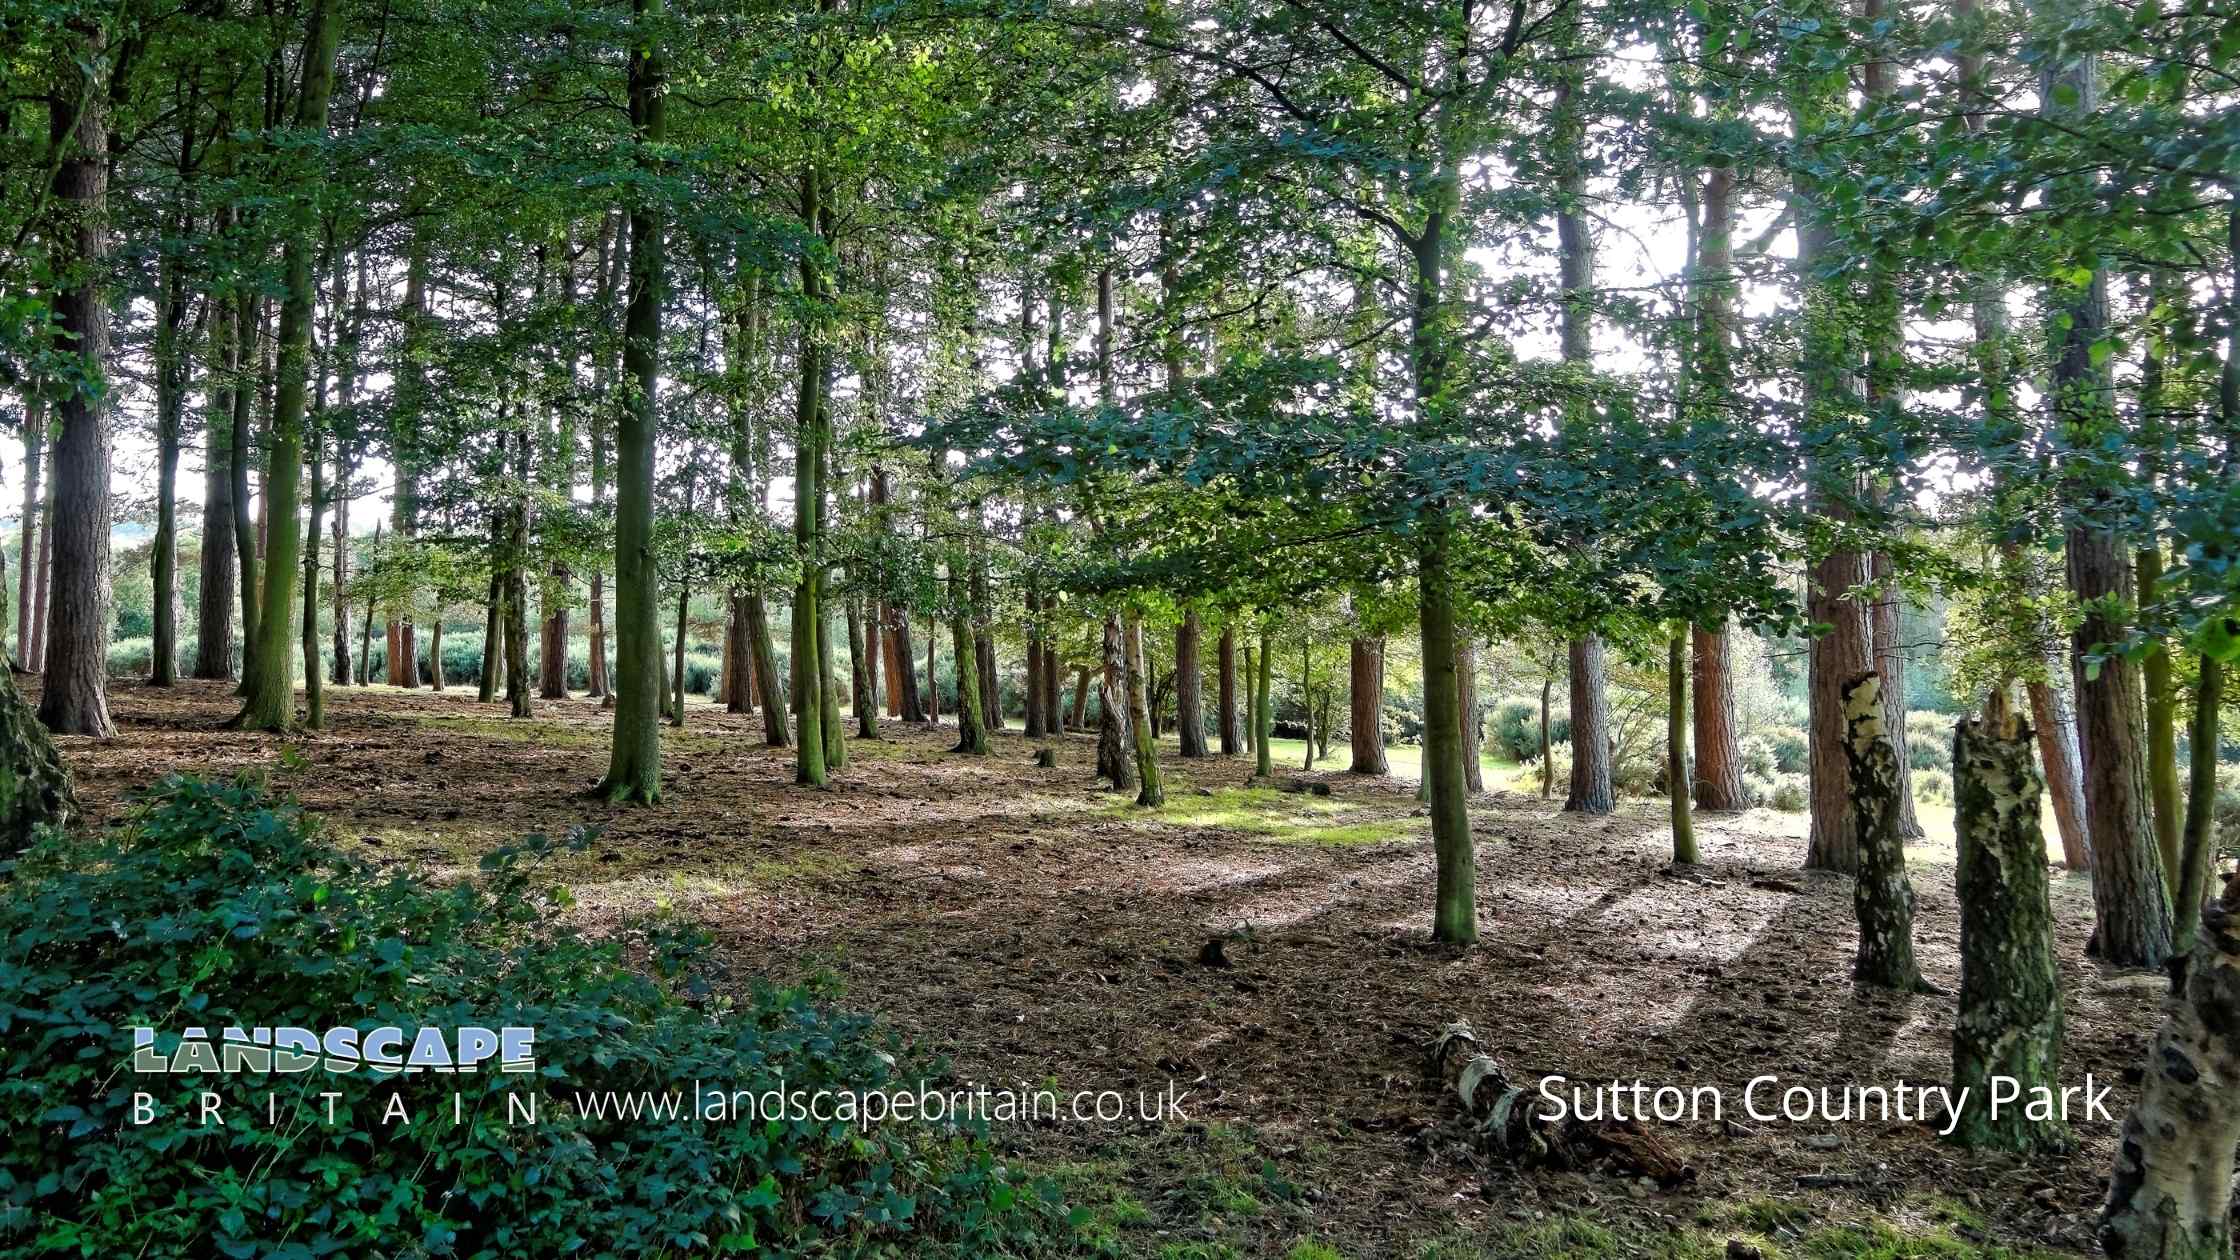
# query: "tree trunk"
862,668
34,449
1232,734
2010,1019
1263,710
1114,760
596,685
1547,770
35,790
2162,727
634,765
1150,790
738,655
1718,746
1189,686
2131,901
74,699
1081,701
1590,730
1366,676
365,627
314,678
240,452
1890,662
1882,894
493,642
171,390
1676,776
1466,697
269,702
2170,1197
1036,725
676,690
766,672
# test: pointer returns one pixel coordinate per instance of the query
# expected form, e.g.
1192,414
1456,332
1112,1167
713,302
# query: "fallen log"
1506,1120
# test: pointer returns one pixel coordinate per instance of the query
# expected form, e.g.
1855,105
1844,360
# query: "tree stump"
1882,894
1046,757
2010,989
2171,1194
34,785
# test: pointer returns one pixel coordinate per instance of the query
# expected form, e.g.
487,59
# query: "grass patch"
1780,1231
1269,814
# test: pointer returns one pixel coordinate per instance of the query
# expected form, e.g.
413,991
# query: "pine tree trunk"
35,788
2131,901
214,610
1890,662
1718,746
1590,730
2162,727
1189,687
1365,673
74,698
2010,1018
1882,894
1676,775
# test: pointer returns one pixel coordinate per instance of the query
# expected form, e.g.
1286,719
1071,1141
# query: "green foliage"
219,906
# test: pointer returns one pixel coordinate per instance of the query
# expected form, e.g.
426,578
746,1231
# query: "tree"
634,767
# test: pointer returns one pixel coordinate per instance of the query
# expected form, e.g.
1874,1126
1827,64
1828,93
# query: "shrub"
1932,787
1789,794
1513,730
1791,753
131,658
216,907
1929,740
1757,788
1758,758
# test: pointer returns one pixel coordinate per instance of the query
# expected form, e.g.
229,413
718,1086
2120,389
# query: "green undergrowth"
216,905
1775,1230
548,733
1271,814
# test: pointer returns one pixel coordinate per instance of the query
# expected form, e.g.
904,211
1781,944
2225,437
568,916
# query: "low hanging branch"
1507,1122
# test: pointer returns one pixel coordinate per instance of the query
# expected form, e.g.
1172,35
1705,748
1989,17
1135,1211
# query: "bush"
1789,794
1791,753
1758,758
1929,740
1513,730
1757,788
131,658
1932,787
215,907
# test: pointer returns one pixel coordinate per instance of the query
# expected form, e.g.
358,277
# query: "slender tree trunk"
314,691
1366,674
1547,770
1232,735
1676,747
972,734
2162,729
1036,725
1590,730
634,767
1081,699
766,673
171,391
74,699
1189,686
1718,746
240,452
684,616
1466,696
1150,792
1114,761
29,558
365,627
1263,711
45,574
862,668
493,642
269,704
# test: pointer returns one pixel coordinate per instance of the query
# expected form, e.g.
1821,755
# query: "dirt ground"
1023,925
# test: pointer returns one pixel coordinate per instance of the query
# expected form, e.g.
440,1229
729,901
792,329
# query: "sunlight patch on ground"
1267,814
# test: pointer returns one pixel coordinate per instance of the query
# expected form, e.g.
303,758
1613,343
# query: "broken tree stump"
1046,757
1507,1121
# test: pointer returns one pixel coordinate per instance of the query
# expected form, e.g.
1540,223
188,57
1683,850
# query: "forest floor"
1024,926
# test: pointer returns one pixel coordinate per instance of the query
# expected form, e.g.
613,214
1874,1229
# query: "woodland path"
1024,926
